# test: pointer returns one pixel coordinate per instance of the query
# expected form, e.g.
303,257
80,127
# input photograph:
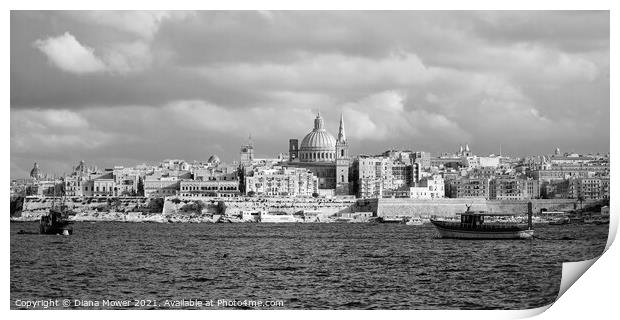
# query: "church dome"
214,159
35,173
318,140
318,145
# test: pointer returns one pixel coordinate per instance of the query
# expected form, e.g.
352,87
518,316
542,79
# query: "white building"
473,162
282,181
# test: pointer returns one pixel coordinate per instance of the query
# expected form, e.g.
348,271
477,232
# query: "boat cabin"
472,220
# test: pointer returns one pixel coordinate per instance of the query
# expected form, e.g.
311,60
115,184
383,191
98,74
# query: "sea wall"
94,208
452,206
208,209
234,206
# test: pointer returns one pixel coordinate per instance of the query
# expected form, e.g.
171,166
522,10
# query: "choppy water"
307,266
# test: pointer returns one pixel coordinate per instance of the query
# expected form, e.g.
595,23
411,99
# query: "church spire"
342,137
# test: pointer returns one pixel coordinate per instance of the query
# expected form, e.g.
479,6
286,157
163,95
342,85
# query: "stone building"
282,181
325,156
463,187
209,188
513,188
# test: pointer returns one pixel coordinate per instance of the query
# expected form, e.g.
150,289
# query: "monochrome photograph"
305,160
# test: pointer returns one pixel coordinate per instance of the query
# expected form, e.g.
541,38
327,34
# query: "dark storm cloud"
129,87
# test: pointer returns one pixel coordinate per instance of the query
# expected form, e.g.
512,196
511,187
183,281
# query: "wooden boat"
472,225
55,222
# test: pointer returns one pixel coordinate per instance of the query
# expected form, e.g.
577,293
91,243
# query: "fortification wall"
98,208
449,206
209,205
185,209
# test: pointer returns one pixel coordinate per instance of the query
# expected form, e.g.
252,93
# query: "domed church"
325,156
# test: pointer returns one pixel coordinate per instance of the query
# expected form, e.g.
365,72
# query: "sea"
289,266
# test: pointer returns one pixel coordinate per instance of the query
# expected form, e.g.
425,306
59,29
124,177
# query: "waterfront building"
435,185
467,187
209,188
554,189
384,176
103,186
325,156
589,188
125,181
282,181
513,188
161,185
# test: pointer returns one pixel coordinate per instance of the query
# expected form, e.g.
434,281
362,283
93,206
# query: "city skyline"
133,87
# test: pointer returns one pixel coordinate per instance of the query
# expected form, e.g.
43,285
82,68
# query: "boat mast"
529,215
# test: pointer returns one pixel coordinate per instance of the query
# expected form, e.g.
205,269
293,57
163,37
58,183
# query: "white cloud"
383,117
66,53
69,55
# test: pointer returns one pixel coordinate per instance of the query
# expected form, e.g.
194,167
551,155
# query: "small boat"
55,222
596,220
390,220
472,225
276,217
560,221
414,221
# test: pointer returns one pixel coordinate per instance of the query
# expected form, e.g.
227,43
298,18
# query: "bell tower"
342,161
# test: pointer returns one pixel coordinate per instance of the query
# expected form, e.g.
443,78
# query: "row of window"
317,155
209,188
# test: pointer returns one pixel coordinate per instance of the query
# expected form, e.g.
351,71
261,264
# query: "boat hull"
487,234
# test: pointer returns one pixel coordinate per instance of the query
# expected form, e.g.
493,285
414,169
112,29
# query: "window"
342,152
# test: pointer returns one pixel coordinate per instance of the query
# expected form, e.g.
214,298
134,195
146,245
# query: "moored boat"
276,217
414,221
390,220
55,222
560,221
481,225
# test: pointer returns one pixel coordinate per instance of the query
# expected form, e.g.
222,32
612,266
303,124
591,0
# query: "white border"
592,296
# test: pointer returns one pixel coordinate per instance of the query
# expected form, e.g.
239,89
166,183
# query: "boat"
390,220
414,221
56,221
343,219
560,221
276,217
596,220
472,225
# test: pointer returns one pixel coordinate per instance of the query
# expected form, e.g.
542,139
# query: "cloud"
140,23
327,71
66,53
170,84
384,117
125,58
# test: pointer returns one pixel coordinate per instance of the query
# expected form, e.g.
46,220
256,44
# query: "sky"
132,87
